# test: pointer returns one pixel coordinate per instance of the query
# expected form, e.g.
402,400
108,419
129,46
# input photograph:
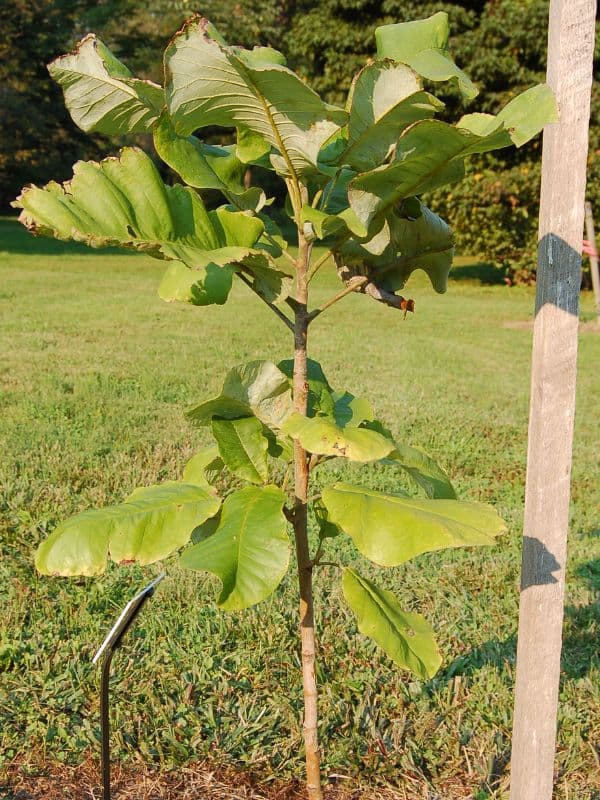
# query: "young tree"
353,177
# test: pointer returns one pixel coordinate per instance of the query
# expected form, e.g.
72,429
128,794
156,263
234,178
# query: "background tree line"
502,43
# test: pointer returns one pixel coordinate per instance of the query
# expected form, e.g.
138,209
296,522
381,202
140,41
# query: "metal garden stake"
109,645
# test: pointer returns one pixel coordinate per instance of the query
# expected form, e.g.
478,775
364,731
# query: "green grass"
96,372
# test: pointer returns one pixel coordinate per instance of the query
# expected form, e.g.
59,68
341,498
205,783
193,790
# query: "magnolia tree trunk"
300,521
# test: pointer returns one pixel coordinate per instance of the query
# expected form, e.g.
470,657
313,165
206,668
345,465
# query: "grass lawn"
95,374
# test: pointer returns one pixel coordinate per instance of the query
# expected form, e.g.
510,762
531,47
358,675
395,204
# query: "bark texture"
300,521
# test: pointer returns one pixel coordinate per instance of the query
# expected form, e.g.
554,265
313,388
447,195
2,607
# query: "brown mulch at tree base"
201,781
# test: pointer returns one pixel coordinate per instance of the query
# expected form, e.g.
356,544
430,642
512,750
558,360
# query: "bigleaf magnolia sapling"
353,177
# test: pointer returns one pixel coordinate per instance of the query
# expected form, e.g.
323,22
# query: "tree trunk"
301,476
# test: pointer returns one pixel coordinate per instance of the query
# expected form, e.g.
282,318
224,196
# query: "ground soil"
200,781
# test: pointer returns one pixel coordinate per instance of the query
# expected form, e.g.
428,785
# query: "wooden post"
554,359
591,237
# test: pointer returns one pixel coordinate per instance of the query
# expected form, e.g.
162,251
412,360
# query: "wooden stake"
554,359
591,237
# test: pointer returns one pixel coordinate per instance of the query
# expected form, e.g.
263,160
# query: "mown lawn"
96,372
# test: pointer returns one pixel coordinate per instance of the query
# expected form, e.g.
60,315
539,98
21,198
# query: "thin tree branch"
286,321
318,264
292,303
284,253
355,284
389,298
370,288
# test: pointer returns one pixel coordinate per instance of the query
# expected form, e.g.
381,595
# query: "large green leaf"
425,242
101,93
249,551
390,530
243,447
210,83
384,98
257,388
423,45
123,201
206,166
321,435
405,637
151,523
431,153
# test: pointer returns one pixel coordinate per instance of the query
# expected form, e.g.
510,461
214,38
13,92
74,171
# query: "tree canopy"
503,41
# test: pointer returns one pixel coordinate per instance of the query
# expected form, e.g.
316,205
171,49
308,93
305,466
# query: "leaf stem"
278,313
284,253
318,264
354,284
316,198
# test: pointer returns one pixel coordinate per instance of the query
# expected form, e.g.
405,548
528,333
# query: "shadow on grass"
14,238
483,272
580,643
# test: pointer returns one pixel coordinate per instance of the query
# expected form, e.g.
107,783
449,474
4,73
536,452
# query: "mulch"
199,781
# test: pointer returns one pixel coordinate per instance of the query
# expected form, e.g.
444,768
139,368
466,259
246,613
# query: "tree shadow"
16,239
580,651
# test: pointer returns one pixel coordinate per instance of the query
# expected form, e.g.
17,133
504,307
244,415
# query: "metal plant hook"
108,646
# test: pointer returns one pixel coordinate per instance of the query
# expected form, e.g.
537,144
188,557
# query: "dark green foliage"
37,138
503,42
329,41
494,211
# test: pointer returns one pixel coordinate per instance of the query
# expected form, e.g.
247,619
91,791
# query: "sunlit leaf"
153,522
249,550
243,447
390,530
431,153
123,201
322,436
384,99
101,93
407,638
210,83
423,45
